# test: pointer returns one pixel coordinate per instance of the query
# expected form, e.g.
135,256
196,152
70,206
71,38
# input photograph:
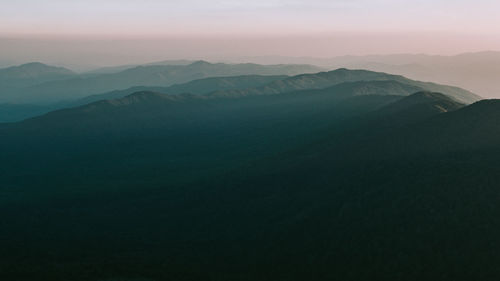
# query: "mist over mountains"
476,72
263,140
247,172
473,71
232,86
52,90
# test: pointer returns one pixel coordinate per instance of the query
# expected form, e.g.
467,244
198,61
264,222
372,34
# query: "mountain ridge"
331,78
298,176
151,75
338,91
32,73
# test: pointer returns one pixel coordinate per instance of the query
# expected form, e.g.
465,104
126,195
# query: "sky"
150,29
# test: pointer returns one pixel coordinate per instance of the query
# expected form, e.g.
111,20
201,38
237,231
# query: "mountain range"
471,71
338,175
119,68
476,71
342,175
239,86
78,86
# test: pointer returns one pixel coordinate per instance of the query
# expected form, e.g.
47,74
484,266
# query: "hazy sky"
198,28
235,17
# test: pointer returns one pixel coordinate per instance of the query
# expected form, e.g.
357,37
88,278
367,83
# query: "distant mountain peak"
32,73
200,63
37,66
33,64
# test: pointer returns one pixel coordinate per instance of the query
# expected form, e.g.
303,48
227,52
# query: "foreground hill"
360,180
473,127
423,192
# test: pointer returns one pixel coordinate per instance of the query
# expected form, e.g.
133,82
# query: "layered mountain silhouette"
255,85
145,102
326,79
152,109
18,112
475,71
201,86
239,86
341,175
150,75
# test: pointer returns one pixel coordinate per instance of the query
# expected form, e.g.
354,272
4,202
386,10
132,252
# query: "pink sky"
106,30
139,18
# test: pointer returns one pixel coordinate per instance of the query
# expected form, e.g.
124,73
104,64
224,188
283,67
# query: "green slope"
308,185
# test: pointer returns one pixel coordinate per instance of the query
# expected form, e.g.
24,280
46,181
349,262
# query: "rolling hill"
327,79
255,85
475,71
201,86
357,180
152,75
239,86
